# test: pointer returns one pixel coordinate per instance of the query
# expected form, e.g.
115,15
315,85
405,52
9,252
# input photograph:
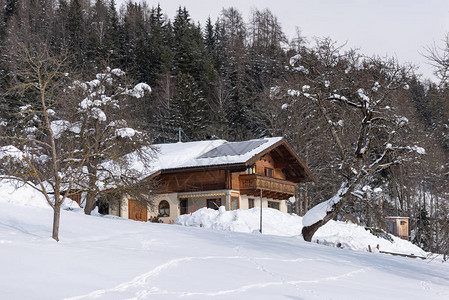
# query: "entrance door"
137,211
183,206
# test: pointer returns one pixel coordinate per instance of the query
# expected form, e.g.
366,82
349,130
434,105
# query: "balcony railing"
278,188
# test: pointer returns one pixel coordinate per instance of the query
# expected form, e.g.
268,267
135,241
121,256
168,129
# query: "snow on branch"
139,90
125,132
11,152
318,212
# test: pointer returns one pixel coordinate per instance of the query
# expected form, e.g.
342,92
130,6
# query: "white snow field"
113,258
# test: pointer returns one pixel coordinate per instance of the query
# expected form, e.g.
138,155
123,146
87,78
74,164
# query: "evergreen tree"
182,42
209,37
422,231
233,66
112,36
157,47
8,9
188,110
76,32
61,38
95,49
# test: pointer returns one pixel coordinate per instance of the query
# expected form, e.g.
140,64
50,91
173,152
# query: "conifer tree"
76,32
188,109
209,37
112,36
95,48
422,230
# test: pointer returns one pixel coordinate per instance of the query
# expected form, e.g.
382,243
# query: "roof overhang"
295,163
281,149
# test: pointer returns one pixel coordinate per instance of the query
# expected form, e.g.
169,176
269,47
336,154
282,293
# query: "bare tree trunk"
395,197
56,218
423,195
368,212
91,194
306,199
90,203
309,231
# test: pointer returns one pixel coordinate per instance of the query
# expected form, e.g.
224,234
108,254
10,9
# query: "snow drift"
345,235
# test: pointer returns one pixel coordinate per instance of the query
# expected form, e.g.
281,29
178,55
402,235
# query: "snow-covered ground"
113,258
345,235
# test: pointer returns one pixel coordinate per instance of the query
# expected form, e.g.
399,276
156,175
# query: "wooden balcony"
252,184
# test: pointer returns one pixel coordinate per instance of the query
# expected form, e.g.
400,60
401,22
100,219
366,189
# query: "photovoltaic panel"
233,149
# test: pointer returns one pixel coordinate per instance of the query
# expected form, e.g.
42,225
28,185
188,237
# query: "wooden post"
260,229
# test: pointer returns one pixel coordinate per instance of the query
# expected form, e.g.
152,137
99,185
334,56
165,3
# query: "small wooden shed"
398,226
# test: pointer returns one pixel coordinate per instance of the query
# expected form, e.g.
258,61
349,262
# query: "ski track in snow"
142,280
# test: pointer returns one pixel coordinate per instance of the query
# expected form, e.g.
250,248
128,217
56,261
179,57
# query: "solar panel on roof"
233,149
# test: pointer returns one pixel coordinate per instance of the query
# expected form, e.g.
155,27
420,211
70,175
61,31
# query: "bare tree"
71,136
438,57
35,155
355,97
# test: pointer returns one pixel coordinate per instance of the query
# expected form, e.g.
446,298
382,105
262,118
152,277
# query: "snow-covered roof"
208,153
174,157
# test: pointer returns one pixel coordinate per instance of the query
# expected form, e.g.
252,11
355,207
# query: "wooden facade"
275,172
252,184
76,197
208,180
198,180
398,226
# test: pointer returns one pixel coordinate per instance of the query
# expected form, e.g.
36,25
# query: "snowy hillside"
113,258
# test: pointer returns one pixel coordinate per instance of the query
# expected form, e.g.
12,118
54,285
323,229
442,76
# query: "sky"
400,28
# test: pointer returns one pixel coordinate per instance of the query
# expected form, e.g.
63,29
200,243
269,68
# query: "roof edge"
283,141
208,167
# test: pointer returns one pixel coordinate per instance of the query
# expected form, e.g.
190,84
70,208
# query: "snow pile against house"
275,222
334,233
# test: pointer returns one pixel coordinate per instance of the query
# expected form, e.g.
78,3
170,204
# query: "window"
234,203
214,203
251,170
268,172
164,209
250,203
183,206
272,204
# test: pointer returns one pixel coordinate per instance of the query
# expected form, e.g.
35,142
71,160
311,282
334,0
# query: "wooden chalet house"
216,173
